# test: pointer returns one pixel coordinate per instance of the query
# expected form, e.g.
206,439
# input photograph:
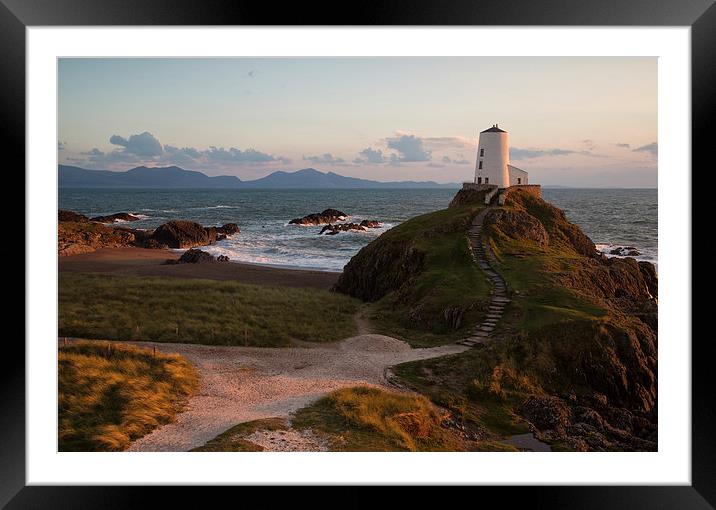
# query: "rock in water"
184,234
63,215
327,216
228,229
111,218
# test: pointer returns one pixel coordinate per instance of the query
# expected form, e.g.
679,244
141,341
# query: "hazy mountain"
175,177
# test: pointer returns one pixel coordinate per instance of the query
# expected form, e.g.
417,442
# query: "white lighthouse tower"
493,158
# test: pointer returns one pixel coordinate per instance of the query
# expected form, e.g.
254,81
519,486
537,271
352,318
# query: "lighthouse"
493,158
494,175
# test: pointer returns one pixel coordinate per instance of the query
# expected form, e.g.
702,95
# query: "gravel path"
240,384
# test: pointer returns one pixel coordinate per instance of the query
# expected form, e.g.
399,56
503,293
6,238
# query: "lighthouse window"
480,166
519,180
479,180
482,152
487,180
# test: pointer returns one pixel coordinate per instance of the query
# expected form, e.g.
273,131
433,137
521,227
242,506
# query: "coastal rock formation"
111,218
228,229
184,234
195,256
517,225
63,215
327,216
625,251
74,237
79,234
363,226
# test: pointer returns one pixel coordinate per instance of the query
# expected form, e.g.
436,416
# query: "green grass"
419,312
200,311
112,394
233,439
371,419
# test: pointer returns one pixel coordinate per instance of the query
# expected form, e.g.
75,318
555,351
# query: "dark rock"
327,216
370,223
625,251
228,229
115,217
331,229
184,234
195,256
63,215
546,413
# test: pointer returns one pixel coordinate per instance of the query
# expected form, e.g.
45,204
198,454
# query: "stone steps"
499,294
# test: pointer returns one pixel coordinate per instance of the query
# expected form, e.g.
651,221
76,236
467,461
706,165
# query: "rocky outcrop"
63,215
588,423
363,226
112,218
322,218
83,237
624,251
184,234
79,234
517,224
380,268
228,229
195,256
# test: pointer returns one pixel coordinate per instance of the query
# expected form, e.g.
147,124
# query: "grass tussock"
371,419
112,394
200,311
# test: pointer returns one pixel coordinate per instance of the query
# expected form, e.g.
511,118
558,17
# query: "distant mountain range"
175,177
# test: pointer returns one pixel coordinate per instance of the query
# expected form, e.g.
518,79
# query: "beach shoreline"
144,262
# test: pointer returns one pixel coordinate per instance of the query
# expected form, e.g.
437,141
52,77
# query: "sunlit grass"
111,394
200,311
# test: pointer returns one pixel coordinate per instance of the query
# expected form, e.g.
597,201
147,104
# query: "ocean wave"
644,254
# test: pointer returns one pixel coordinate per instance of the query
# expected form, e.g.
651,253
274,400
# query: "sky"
578,121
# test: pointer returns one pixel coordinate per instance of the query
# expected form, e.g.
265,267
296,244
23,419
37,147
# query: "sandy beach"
127,261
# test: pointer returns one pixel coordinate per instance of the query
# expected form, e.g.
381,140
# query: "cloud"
145,148
518,154
94,152
326,159
652,148
623,145
435,164
460,160
410,148
370,155
143,144
234,155
442,143
589,143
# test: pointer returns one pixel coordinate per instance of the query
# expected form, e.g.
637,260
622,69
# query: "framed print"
421,246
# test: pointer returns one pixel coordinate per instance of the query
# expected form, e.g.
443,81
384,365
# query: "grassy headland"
200,311
113,394
421,278
574,353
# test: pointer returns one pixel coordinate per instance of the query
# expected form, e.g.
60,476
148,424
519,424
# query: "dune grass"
111,394
370,419
200,311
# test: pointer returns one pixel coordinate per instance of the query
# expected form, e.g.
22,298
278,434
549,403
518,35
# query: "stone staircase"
498,296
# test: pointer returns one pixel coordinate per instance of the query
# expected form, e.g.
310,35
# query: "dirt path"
240,384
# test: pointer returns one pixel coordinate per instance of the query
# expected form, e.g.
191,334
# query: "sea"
612,218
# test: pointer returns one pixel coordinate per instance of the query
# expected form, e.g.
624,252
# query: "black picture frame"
700,15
